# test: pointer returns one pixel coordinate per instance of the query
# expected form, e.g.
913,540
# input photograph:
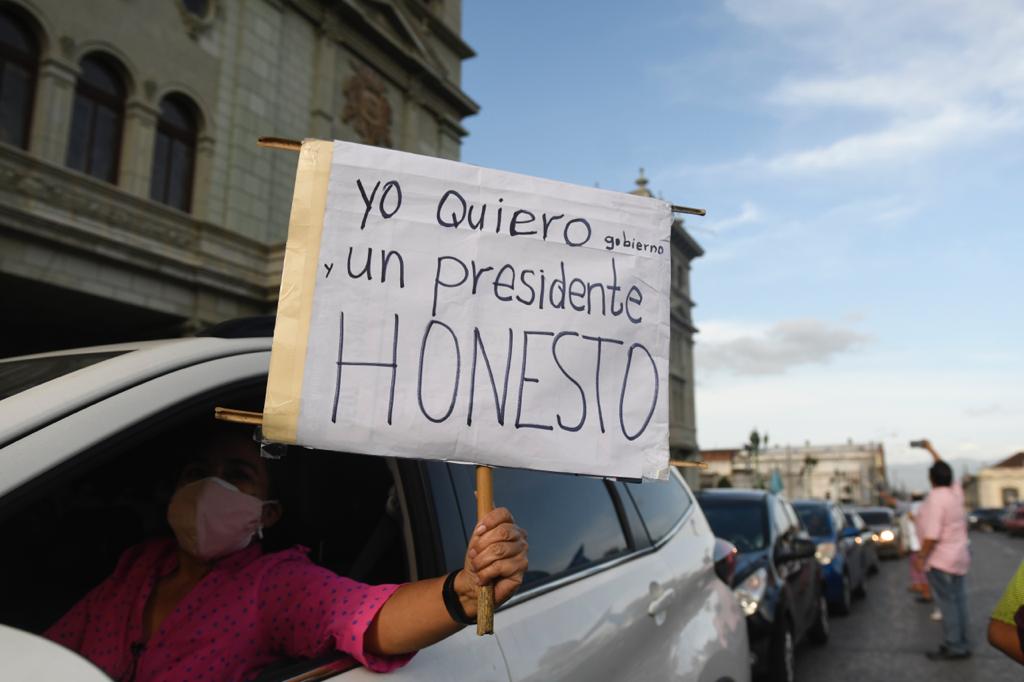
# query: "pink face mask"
212,518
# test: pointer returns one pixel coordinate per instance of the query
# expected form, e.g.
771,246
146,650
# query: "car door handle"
661,602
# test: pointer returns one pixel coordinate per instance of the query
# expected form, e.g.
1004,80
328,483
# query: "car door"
849,546
61,444
790,570
591,605
810,573
704,633
434,535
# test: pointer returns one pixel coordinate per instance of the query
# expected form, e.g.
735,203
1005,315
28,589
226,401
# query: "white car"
622,582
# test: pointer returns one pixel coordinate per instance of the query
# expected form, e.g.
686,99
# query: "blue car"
840,551
777,580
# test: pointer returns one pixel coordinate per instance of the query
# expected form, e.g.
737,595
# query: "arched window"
19,59
97,119
175,152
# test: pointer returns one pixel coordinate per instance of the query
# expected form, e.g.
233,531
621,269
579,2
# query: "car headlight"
750,592
825,552
971,518
887,535
875,538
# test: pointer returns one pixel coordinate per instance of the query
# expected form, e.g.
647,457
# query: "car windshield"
815,519
876,518
20,375
744,523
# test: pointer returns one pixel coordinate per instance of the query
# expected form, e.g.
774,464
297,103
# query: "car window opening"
69,534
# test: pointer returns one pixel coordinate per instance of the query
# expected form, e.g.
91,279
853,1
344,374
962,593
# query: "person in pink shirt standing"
944,555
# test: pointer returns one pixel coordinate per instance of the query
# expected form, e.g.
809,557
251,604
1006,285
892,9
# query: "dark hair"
940,474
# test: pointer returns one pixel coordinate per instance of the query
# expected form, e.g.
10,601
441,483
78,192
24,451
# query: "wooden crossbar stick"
226,414
688,463
279,143
687,209
484,504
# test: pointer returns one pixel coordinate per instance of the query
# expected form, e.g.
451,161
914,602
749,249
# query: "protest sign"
439,310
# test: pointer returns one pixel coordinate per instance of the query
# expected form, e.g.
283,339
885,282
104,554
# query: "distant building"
719,471
134,201
682,412
851,473
997,485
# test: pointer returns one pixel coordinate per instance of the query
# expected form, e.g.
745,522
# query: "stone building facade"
682,411
134,200
851,473
996,486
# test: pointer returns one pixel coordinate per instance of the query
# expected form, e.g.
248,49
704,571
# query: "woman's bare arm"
415,616
1003,636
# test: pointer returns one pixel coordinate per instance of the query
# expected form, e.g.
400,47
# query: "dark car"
1013,519
885,530
866,536
987,518
777,581
840,551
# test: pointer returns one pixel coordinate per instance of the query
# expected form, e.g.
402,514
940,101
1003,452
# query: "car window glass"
815,519
661,504
641,537
449,520
877,518
794,521
20,375
853,520
571,520
779,519
838,520
744,523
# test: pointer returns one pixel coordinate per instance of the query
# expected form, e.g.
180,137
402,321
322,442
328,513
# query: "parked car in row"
885,530
987,518
777,579
622,580
840,551
1013,519
862,534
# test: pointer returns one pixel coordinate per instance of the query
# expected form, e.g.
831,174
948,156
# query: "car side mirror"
725,560
800,548
850,532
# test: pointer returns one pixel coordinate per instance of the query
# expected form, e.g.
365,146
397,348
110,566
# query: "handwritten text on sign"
473,315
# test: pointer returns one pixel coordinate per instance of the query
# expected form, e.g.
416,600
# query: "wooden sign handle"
484,504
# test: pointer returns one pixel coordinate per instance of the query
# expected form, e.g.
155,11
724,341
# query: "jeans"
951,596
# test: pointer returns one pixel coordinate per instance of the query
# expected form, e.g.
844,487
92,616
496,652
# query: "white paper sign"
440,310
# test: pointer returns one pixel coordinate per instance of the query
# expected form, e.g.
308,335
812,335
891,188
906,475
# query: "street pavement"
887,633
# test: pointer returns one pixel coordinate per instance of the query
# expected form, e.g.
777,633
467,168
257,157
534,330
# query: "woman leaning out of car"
211,605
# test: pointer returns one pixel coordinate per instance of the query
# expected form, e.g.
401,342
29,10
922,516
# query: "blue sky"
862,164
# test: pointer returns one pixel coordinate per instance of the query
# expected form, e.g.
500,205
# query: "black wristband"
452,603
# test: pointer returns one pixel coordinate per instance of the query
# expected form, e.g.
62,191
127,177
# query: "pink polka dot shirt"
251,610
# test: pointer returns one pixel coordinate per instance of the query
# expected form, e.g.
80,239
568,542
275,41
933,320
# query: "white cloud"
744,350
935,73
898,142
987,410
749,213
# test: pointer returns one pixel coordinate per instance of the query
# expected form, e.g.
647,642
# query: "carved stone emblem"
366,107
